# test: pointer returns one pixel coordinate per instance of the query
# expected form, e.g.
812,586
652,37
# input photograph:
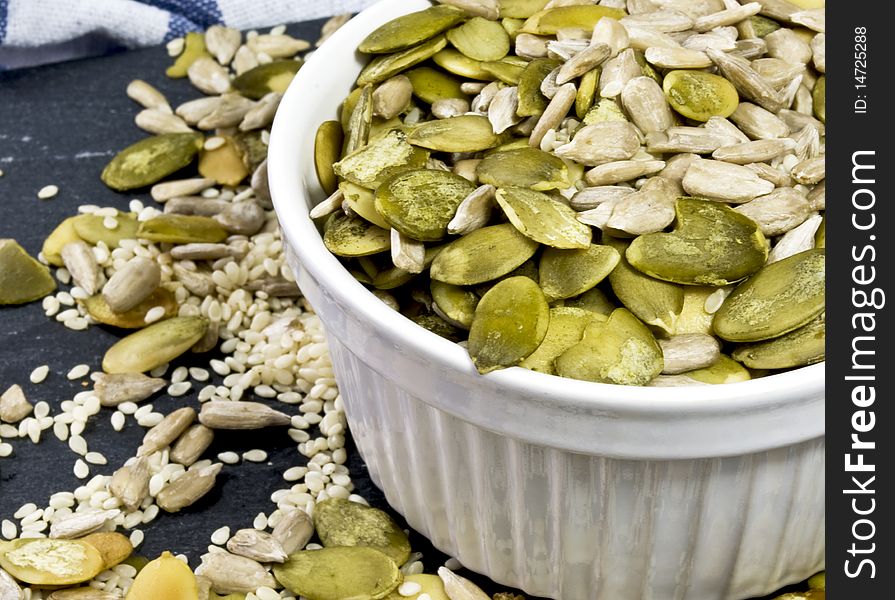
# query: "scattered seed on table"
78,371
230,458
39,374
220,536
255,455
81,469
47,192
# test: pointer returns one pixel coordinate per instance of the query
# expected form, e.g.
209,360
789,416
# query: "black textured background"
60,124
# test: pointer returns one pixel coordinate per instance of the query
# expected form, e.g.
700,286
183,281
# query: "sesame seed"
179,389
78,444
117,420
39,374
213,143
220,536
154,314
136,538
409,588
255,455
230,458
260,521
78,371
81,469
8,529
95,458
47,192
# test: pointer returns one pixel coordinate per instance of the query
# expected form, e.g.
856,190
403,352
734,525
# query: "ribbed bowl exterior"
565,489
577,527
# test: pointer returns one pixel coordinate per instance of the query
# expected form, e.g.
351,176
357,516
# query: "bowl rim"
292,195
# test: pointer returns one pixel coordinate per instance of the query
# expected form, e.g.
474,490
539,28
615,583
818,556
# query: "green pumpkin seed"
380,127
431,585
339,573
699,95
62,235
587,92
92,229
819,95
182,229
439,327
22,279
515,144
383,67
531,101
421,203
820,238
454,61
480,39
392,278
543,219
524,167
725,370
778,299
508,70
483,255
568,273
762,26
225,164
711,245
527,269
803,346
466,133
521,9
359,123
431,85
621,350
606,109
48,562
411,29
252,147
594,300
382,158
155,345
134,318
361,201
271,77
818,581
327,149
150,160
512,27
347,108
646,69
551,21
510,323
455,304
657,303
341,522
693,317
352,237
566,328
193,49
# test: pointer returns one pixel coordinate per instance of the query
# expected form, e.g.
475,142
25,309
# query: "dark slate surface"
59,125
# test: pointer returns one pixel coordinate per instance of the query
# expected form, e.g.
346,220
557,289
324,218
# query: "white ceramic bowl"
565,489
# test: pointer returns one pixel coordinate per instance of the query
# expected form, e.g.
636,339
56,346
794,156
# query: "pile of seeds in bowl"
619,192
171,276
201,272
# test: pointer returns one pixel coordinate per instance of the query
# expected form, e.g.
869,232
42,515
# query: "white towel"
39,31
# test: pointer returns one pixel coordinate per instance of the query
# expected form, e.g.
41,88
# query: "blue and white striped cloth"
40,31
